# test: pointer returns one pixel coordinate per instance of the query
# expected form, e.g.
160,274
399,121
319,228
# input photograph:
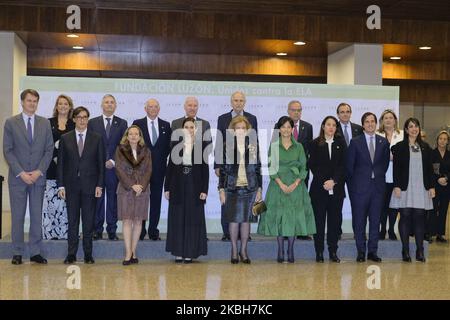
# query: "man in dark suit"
346,130
157,134
81,176
111,128
238,104
303,133
28,150
367,162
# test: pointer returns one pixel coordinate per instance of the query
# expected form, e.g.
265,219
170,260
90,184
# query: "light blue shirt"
25,119
368,140
235,114
349,130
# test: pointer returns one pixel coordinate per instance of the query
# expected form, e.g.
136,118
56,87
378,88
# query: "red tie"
295,133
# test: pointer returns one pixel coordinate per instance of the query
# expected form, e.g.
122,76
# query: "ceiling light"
425,48
299,43
72,36
395,58
78,47
281,54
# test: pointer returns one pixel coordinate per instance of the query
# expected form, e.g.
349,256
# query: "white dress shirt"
329,143
396,138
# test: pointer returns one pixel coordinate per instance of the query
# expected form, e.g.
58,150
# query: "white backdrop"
268,101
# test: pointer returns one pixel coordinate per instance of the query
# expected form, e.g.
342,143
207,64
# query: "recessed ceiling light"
395,58
78,47
72,36
425,48
281,54
299,43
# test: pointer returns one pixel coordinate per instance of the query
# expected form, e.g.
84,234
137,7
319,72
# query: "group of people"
70,166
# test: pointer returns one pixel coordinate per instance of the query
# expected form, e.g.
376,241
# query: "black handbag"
259,208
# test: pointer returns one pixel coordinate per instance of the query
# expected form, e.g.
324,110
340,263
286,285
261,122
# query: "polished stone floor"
266,279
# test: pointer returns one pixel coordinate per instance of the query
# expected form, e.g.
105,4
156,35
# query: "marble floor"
163,279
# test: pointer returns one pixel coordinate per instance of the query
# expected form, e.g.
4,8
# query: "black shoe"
420,257
373,257
16,260
405,256
125,262
334,257
290,258
361,257
308,238
134,260
246,260
178,260
142,236
154,238
382,235
319,257
234,260
70,259
38,259
89,260
98,236
249,238
113,237
441,239
226,237
280,258
187,260
392,236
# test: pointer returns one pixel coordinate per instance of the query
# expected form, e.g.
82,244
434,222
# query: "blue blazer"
160,151
360,167
118,128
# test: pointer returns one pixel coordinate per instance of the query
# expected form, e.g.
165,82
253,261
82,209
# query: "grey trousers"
18,195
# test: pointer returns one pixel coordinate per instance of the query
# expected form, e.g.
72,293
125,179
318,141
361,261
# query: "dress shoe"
246,260
126,262
98,236
361,257
249,238
113,237
178,260
392,236
373,257
89,260
234,260
382,235
304,238
134,260
405,256
38,259
142,236
187,260
155,238
70,259
334,257
441,239
280,257
419,256
16,260
226,237
428,238
319,257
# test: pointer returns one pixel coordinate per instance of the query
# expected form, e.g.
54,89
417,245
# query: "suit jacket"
222,125
200,137
86,172
441,168
200,172
160,151
401,165
118,128
23,156
324,168
360,166
357,130
70,125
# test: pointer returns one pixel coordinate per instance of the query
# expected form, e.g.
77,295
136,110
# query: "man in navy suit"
238,104
112,129
157,133
367,163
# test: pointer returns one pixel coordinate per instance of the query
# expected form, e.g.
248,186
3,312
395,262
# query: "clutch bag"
259,208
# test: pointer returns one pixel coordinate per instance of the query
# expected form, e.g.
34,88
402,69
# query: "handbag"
259,208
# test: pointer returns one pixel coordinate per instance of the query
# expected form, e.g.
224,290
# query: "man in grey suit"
28,149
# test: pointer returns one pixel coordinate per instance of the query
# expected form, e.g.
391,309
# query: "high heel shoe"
319,257
290,257
134,260
234,260
334,257
246,260
280,259
420,257
126,262
406,257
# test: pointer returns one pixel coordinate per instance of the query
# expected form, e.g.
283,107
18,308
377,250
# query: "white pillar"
13,65
356,64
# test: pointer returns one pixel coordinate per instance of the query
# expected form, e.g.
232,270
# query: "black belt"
187,169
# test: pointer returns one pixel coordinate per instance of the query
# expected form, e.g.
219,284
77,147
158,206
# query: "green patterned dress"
287,214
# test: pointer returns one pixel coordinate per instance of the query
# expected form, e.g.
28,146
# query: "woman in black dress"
54,211
186,188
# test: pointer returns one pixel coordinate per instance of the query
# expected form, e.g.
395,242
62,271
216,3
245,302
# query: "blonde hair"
239,119
441,133
381,127
69,100
124,141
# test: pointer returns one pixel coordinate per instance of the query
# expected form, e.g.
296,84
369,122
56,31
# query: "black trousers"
438,217
388,212
327,209
84,205
412,220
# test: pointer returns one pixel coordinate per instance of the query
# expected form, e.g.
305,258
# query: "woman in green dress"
289,211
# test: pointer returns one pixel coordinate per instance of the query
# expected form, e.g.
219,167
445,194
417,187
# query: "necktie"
154,135
80,144
29,131
371,149
347,138
108,127
295,133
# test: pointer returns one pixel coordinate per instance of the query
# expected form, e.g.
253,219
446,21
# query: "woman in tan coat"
133,169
